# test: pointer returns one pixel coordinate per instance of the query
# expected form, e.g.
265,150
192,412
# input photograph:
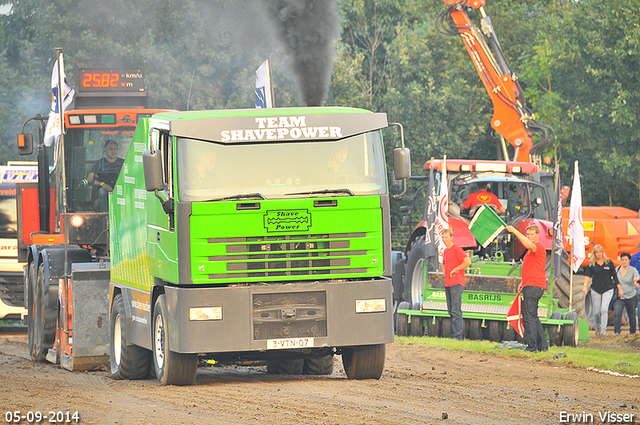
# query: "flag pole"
62,156
571,281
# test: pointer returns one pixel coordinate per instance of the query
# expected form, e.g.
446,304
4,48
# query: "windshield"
8,212
85,148
211,171
513,195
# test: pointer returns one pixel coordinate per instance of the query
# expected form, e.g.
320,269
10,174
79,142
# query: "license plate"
278,344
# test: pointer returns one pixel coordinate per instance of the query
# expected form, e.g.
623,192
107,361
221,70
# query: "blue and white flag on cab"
264,95
55,122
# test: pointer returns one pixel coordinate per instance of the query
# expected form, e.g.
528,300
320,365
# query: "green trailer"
490,290
258,234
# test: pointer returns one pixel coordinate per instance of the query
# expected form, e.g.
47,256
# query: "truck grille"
277,256
289,315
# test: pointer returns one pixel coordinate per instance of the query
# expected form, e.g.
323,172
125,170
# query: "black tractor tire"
402,320
31,309
562,287
495,330
414,273
433,326
364,361
416,327
554,331
319,365
571,332
445,327
127,361
45,316
475,329
397,279
171,368
285,366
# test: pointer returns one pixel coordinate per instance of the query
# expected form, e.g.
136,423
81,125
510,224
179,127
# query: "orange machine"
72,244
511,117
617,229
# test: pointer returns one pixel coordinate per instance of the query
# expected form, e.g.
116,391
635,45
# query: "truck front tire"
171,368
364,362
127,361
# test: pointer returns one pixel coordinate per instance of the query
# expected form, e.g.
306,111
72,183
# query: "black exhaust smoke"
308,29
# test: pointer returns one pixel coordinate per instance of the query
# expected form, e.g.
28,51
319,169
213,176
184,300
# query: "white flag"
264,95
443,210
575,229
54,124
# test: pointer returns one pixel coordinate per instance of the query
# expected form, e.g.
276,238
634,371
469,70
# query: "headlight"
205,313
371,306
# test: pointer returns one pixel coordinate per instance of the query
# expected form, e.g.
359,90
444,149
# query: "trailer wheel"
495,330
414,274
402,320
171,368
127,361
571,332
416,327
31,310
555,332
433,326
509,333
319,365
475,329
445,327
364,362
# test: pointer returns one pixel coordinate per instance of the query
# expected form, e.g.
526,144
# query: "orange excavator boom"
511,118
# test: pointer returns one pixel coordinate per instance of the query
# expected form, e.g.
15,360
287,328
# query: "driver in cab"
482,196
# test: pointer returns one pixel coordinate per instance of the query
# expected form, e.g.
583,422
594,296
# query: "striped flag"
514,315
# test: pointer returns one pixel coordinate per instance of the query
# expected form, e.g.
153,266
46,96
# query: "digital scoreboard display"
110,80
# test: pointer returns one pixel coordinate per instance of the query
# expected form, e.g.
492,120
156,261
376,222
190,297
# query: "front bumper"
252,315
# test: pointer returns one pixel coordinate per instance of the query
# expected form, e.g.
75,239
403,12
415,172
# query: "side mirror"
152,163
25,144
402,163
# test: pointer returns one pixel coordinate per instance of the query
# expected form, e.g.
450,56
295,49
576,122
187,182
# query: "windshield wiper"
239,196
320,192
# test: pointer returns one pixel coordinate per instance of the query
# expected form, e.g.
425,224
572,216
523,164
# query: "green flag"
486,225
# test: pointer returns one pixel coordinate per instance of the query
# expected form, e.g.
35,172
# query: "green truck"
257,234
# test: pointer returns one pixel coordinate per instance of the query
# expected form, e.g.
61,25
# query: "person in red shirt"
483,196
455,261
534,282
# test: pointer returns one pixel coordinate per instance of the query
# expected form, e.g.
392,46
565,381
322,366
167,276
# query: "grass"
607,353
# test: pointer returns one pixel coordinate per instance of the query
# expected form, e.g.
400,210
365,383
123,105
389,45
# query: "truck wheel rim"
117,341
159,338
417,283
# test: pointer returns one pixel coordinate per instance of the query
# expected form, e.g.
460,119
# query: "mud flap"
90,298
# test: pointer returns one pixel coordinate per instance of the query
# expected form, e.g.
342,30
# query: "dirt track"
418,386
